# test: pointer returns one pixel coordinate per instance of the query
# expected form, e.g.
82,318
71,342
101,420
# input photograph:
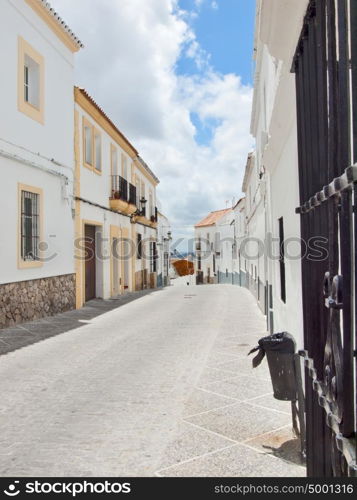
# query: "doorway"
115,267
90,262
126,266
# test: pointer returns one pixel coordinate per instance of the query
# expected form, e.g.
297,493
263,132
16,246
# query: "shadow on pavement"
26,334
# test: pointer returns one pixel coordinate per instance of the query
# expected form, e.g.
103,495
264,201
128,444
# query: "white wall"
274,126
31,142
96,188
163,243
208,237
54,139
224,261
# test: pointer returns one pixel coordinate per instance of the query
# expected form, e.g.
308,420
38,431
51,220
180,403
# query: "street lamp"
139,212
143,204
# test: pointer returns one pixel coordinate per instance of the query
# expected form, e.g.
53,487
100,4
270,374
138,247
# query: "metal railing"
122,189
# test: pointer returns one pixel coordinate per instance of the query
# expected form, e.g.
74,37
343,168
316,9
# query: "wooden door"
90,263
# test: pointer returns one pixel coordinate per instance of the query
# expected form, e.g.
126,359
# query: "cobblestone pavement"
161,386
25,334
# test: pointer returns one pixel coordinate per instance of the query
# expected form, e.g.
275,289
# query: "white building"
252,248
116,215
37,275
225,248
274,125
163,250
239,234
207,241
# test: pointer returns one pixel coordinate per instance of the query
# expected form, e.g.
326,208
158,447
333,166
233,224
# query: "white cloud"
128,66
214,5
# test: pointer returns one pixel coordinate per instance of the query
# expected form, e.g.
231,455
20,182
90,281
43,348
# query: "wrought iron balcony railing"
123,190
119,188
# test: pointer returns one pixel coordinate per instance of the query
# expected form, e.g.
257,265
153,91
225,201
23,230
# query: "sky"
176,77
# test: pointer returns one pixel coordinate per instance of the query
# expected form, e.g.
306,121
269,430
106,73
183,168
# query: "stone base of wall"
29,300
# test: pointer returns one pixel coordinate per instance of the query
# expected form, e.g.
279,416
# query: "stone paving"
162,386
24,334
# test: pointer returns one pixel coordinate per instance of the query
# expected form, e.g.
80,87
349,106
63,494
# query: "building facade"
252,249
208,246
164,237
116,215
274,126
224,239
37,272
304,123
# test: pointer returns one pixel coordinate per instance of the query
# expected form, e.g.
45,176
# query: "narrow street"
160,386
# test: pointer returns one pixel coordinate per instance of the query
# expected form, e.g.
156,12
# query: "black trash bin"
285,373
279,350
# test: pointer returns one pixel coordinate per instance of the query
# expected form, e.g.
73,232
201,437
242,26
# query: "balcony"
147,218
123,195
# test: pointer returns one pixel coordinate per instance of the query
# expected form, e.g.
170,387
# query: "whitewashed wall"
274,126
35,143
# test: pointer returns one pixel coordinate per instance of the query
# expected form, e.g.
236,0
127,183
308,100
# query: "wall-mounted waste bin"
285,373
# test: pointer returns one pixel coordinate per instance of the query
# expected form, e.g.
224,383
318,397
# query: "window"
125,167
151,205
98,151
166,264
114,161
143,209
139,246
92,147
282,260
29,226
199,262
137,185
30,81
153,257
88,147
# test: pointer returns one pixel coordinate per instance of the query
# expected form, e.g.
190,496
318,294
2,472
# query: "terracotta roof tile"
47,6
213,217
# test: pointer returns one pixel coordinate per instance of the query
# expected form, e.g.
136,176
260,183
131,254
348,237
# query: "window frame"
87,124
94,132
25,264
97,133
24,106
139,246
153,257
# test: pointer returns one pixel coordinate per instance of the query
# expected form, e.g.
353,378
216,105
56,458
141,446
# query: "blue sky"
224,30
226,33
175,76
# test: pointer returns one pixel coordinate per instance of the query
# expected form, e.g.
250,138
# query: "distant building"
163,250
224,239
254,256
115,196
207,246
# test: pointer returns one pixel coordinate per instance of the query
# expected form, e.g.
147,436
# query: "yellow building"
115,208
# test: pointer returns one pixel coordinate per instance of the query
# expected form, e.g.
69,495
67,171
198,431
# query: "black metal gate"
325,68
